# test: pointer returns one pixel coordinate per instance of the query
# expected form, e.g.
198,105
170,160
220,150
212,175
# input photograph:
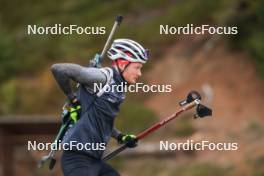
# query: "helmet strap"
125,67
119,70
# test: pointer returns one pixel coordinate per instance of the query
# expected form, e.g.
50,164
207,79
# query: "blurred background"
228,70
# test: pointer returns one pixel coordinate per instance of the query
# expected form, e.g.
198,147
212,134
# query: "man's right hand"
128,139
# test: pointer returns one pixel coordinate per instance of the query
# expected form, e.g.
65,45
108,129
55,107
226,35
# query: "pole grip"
190,105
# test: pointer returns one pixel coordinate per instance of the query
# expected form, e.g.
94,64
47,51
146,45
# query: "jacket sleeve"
87,76
115,133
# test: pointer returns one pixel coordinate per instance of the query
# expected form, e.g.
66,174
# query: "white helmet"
129,50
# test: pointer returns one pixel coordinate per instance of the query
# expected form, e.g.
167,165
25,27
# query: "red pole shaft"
163,122
157,125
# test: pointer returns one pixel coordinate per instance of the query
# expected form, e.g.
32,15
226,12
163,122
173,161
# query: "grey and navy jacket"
99,109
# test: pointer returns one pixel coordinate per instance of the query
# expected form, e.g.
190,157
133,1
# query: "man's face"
132,72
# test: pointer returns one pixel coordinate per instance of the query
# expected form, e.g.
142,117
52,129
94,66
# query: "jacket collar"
118,77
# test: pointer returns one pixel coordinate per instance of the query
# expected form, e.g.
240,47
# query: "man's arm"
116,133
87,76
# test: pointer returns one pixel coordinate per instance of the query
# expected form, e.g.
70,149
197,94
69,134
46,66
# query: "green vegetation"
258,166
183,127
250,21
22,55
9,96
200,169
254,129
169,167
134,117
7,58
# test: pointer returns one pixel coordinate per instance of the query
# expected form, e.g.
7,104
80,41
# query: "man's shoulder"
107,71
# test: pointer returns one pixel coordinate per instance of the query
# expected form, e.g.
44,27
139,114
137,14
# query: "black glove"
128,139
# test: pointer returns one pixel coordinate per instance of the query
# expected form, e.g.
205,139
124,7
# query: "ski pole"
97,60
193,99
